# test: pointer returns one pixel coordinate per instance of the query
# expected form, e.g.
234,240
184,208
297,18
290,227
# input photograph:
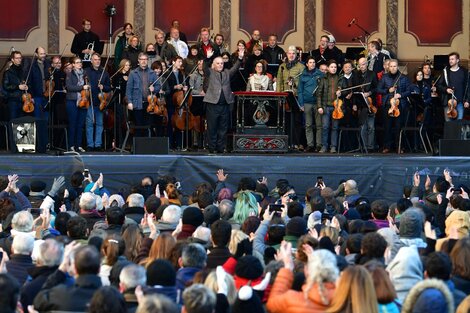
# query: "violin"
394,111
338,111
452,107
370,105
84,102
103,97
50,86
28,102
152,100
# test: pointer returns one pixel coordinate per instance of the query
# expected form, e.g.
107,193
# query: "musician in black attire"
322,55
366,118
83,40
273,54
14,85
176,82
376,58
119,83
347,82
56,98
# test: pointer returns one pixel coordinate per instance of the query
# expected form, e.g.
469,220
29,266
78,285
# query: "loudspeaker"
456,130
153,145
29,134
454,147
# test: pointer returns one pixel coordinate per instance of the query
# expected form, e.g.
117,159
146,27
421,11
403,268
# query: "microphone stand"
366,32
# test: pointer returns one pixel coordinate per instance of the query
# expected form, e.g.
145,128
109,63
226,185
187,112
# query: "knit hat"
411,223
249,267
211,214
332,38
37,186
160,272
247,301
296,227
459,219
192,216
314,219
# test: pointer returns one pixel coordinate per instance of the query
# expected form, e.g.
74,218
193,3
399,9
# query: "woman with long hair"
386,294
132,237
161,248
259,80
75,83
245,206
112,250
355,292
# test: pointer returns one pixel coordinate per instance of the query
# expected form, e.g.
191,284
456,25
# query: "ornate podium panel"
260,122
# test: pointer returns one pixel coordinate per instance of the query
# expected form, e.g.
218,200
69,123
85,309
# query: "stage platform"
378,176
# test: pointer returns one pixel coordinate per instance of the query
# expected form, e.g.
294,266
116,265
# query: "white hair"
87,201
322,268
350,185
22,221
171,214
135,200
133,275
99,203
202,233
22,244
292,49
51,253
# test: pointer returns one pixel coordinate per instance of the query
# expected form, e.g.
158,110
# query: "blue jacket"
36,80
404,88
93,79
184,276
308,84
134,90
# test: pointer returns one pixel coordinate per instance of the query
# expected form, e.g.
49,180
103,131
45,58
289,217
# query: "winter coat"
429,296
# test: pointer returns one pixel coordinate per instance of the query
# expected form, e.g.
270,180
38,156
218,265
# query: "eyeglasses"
143,59
77,62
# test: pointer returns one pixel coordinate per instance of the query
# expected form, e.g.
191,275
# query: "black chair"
361,142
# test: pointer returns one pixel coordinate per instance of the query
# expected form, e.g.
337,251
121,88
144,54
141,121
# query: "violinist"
454,82
375,57
394,86
163,49
176,84
138,88
57,104
205,44
288,80
75,83
157,122
365,110
119,82
347,81
328,92
14,85
99,83
37,81
423,91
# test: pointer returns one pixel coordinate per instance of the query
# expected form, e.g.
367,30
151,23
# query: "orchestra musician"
75,83
139,86
180,46
308,84
255,40
328,92
375,57
394,85
57,100
163,49
220,44
273,53
205,44
347,81
321,54
86,42
132,51
422,90
454,81
99,83
260,80
176,82
218,99
288,81
333,51
122,42
37,81
252,59
182,36
366,117
119,83
14,85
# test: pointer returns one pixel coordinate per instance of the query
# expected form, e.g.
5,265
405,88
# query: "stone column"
139,18
53,27
309,25
225,19
392,26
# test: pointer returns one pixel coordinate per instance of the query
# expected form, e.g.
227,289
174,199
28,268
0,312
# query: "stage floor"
378,176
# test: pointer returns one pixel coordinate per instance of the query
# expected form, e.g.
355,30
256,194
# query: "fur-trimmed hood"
420,295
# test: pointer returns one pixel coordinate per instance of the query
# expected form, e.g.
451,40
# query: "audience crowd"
78,247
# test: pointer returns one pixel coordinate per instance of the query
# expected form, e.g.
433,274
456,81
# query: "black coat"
18,266
30,289
217,256
68,298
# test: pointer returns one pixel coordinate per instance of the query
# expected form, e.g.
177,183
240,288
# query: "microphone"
352,22
356,38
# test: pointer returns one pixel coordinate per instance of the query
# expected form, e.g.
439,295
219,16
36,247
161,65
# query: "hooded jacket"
429,296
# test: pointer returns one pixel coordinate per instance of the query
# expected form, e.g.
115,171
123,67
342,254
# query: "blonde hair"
211,283
331,233
236,237
355,292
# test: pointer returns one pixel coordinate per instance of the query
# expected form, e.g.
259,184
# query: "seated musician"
260,80
252,59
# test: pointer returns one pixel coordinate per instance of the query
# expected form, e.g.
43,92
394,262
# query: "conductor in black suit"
218,99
